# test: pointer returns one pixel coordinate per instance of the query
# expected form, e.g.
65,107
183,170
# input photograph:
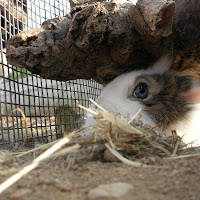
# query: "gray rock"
112,191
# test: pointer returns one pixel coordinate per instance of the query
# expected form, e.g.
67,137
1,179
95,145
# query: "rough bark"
101,40
186,36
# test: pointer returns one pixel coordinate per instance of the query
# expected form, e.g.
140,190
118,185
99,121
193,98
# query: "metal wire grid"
41,10
50,106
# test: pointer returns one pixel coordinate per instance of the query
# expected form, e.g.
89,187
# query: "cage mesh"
50,106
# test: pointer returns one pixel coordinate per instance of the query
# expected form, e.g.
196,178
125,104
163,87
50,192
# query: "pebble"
108,156
112,191
64,187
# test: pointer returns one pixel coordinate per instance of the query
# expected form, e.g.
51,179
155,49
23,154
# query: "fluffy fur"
165,104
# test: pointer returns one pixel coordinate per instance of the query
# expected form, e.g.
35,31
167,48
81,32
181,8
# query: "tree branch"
101,40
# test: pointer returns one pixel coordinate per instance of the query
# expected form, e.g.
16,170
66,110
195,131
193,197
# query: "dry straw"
36,162
113,132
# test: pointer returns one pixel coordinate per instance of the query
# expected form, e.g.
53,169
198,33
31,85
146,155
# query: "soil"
58,179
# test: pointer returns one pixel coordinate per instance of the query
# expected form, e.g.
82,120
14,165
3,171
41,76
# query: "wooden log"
102,40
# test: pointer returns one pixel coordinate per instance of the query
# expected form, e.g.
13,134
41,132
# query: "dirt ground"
57,179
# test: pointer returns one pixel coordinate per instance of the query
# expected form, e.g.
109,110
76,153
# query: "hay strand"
33,165
26,124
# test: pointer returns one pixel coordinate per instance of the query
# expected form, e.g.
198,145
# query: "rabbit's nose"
193,94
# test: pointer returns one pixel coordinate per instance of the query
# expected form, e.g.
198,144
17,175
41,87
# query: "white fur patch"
189,129
114,97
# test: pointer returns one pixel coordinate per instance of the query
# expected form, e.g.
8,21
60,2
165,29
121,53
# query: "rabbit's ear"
193,94
161,66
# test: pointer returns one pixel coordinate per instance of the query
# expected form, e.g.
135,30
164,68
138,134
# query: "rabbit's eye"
141,92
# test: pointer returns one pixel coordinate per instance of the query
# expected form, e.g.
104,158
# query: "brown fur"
164,102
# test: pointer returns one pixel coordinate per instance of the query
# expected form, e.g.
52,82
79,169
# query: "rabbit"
166,97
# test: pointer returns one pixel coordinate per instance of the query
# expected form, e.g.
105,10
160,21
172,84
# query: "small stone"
64,187
108,156
112,191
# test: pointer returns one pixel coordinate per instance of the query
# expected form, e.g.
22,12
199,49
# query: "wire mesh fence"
50,106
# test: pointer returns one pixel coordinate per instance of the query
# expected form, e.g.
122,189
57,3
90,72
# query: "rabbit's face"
168,98
161,96
158,91
118,97
158,95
